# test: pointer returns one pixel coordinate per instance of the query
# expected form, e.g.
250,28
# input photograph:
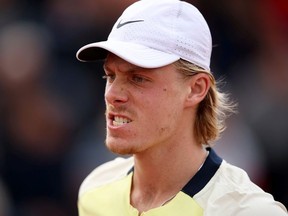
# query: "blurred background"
52,110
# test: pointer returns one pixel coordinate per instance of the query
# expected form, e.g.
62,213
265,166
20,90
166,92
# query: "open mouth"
118,121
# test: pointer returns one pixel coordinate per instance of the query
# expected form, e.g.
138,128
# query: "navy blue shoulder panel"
203,176
131,170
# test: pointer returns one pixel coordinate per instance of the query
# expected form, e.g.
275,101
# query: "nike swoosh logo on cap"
128,22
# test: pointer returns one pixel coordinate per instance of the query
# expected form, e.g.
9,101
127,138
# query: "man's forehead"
113,62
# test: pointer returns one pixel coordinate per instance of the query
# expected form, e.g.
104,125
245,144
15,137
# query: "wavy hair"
212,110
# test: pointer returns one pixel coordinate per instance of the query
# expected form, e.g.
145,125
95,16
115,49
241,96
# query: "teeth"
120,121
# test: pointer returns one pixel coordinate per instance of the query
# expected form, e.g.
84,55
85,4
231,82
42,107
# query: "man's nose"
116,93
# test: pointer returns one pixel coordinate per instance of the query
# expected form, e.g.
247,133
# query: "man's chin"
119,149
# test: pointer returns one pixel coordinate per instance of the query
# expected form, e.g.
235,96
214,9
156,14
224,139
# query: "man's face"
144,107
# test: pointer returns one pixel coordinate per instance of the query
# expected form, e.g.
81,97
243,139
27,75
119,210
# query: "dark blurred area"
52,109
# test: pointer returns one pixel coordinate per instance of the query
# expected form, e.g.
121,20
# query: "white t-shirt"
217,189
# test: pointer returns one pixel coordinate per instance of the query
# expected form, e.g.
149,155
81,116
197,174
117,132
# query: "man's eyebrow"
106,68
131,69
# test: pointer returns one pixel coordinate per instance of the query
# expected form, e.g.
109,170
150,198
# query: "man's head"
155,34
149,108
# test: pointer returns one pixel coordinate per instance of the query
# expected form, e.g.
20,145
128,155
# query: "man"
163,107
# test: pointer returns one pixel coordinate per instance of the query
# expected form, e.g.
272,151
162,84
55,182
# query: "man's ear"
199,86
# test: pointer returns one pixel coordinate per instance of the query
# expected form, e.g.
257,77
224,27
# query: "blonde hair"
212,110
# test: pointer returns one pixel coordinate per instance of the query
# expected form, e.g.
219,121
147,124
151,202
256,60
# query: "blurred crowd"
52,123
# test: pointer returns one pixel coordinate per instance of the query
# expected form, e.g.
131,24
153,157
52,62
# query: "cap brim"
133,53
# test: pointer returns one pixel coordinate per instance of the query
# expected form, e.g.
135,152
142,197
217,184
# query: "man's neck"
158,177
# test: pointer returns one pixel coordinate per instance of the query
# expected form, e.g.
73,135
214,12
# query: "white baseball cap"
155,33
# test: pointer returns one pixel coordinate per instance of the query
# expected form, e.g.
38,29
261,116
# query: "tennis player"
163,108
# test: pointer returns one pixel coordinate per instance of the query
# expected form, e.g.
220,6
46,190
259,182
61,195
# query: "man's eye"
138,79
109,78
